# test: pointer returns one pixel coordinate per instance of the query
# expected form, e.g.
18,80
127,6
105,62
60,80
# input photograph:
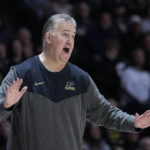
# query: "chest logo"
38,83
70,86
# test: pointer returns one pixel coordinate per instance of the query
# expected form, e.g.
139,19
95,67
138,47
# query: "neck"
49,64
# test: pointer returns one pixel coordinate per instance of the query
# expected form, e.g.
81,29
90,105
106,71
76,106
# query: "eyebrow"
68,31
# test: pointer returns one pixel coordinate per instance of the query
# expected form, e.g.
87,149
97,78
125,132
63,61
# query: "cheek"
60,40
58,44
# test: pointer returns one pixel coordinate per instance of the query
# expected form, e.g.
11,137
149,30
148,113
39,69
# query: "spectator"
106,76
61,6
5,33
24,36
94,139
146,21
121,22
17,52
134,36
28,52
97,36
131,141
4,62
118,147
41,7
136,82
120,18
144,144
138,7
82,13
4,130
146,46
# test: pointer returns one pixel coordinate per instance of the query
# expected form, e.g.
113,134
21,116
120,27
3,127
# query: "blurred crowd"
112,44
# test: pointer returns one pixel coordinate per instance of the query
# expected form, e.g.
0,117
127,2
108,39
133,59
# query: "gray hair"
52,23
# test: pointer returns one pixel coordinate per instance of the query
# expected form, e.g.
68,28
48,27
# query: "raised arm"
9,93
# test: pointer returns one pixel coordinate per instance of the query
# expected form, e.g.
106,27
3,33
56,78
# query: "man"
56,97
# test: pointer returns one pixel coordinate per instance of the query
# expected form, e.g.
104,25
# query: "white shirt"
136,82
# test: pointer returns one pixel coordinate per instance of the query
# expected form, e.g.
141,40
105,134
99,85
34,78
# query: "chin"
63,62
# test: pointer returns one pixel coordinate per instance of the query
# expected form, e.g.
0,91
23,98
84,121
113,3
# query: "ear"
48,37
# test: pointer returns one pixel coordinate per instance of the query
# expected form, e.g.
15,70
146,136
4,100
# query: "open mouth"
66,50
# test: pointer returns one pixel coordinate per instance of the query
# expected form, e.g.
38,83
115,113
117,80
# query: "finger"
136,114
147,115
12,86
8,88
15,83
19,83
147,112
23,90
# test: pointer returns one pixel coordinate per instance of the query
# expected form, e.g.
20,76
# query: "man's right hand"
13,94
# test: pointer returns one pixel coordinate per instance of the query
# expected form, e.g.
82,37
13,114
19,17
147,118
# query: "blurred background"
112,44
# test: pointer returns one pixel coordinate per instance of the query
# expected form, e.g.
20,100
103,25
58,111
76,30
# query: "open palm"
142,121
13,94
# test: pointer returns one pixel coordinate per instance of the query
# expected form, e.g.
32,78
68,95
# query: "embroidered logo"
70,86
38,83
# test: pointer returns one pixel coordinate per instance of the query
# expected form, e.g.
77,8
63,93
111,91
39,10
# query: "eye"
65,35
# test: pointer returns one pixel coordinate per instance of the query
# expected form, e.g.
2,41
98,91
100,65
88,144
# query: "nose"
69,40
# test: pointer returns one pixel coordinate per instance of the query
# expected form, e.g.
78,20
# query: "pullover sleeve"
7,81
101,112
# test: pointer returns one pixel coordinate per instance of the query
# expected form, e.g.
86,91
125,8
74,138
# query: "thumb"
136,115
